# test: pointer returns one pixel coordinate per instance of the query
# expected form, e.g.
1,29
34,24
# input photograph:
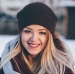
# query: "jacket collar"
19,65
8,68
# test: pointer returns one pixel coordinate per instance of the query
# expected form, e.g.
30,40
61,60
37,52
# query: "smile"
33,45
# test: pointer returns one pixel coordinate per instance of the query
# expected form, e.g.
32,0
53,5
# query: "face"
34,38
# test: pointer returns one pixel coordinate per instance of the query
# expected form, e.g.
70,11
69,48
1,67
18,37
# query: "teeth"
33,45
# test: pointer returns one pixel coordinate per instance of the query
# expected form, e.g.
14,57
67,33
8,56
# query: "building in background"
11,7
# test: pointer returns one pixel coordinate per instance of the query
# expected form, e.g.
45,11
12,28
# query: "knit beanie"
39,14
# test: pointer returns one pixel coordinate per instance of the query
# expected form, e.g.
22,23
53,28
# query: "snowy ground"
5,38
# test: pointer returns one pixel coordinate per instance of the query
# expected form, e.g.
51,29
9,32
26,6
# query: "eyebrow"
29,28
32,29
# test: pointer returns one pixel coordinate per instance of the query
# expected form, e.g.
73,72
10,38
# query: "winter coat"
20,68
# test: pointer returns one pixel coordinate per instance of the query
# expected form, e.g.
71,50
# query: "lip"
31,45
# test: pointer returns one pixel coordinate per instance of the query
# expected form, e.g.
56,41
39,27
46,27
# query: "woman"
37,49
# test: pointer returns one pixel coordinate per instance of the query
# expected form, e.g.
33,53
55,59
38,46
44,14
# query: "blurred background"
64,10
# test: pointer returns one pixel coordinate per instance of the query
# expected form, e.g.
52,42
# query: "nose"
34,37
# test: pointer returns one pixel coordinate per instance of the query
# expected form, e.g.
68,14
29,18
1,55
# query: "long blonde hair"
54,59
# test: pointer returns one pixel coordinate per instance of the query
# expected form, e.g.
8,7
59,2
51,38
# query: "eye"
43,33
27,31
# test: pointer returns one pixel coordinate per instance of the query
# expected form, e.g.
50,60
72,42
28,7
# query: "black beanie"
37,13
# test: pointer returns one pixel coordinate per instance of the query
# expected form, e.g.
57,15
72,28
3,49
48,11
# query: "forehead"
36,27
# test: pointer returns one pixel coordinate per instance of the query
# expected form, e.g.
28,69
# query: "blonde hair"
53,59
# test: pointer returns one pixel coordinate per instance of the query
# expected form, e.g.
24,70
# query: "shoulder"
9,46
13,41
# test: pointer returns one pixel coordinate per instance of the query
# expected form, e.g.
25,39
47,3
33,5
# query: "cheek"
43,40
24,38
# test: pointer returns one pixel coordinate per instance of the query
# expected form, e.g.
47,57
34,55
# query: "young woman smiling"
37,49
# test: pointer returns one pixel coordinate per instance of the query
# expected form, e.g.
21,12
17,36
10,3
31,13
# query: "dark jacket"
23,67
1,71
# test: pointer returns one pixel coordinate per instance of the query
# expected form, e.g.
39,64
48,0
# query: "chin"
33,54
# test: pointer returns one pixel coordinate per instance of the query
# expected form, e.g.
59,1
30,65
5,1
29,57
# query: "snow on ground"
5,38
